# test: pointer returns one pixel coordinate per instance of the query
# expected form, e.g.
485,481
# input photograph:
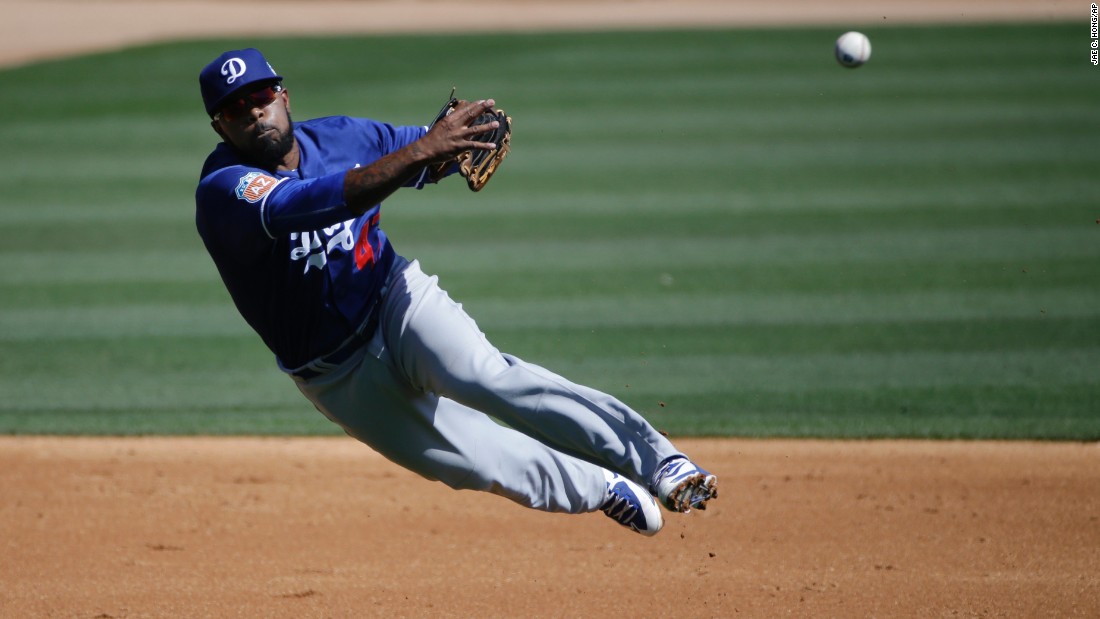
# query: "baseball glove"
477,166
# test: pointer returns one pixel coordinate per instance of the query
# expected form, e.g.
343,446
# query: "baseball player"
290,213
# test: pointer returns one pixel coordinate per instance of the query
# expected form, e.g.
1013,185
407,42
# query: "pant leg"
441,350
443,440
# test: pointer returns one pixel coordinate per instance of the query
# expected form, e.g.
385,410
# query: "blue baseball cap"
231,72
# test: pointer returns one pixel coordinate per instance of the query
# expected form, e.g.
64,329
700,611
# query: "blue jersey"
302,269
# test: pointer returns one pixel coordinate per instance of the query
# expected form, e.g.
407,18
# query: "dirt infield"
194,527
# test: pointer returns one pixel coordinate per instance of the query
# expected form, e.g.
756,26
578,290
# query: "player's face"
258,124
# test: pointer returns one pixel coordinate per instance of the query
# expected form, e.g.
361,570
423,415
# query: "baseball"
853,49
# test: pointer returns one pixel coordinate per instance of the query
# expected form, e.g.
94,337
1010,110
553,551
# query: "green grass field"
724,228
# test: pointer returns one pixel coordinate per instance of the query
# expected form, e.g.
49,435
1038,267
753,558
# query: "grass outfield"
724,228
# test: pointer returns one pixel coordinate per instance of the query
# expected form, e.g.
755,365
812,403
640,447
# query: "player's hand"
452,134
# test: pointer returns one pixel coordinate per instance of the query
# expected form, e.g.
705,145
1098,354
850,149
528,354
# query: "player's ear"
217,129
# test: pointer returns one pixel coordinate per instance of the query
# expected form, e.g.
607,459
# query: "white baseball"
853,49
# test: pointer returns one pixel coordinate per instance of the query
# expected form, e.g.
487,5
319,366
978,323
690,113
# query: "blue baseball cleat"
631,506
681,486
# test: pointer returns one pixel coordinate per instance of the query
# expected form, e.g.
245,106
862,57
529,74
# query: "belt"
326,363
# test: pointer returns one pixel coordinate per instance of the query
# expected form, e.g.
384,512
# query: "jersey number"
364,252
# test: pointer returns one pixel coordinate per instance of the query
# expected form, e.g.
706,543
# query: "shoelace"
626,511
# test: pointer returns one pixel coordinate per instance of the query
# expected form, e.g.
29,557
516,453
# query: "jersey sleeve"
390,138
254,206
294,205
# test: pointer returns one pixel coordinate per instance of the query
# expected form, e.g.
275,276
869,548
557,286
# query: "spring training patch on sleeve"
254,186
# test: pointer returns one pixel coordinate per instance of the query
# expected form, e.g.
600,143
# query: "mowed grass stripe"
434,207
1061,412
121,264
714,310
869,155
719,310
283,418
645,225
54,324
654,343
722,240
1011,244
901,276
963,199
630,343
787,373
926,118
205,387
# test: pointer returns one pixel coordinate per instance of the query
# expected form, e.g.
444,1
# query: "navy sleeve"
229,225
393,138
296,205
251,202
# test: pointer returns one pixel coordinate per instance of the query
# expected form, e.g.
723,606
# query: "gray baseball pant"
422,392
